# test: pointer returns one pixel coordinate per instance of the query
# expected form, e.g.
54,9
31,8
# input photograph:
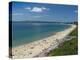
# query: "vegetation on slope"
68,47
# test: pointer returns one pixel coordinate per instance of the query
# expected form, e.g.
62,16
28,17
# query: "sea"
24,33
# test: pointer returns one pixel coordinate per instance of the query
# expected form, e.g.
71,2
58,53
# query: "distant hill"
44,22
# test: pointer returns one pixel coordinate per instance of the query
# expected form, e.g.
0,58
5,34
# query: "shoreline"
42,38
37,48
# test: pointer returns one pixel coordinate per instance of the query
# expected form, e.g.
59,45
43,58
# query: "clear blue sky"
24,11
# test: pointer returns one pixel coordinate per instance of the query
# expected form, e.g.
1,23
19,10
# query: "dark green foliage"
74,32
68,47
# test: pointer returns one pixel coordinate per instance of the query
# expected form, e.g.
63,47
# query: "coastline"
37,48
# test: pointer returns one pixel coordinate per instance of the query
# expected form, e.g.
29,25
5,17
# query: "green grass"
67,48
74,32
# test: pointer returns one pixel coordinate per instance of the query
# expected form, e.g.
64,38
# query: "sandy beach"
37,48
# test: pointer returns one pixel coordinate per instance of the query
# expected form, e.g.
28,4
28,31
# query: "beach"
40,47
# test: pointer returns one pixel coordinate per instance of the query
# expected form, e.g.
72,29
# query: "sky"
26,11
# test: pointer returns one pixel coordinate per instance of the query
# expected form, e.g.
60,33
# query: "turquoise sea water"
23,32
